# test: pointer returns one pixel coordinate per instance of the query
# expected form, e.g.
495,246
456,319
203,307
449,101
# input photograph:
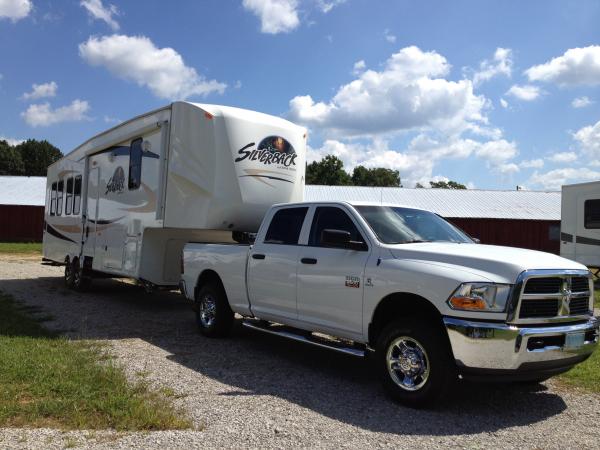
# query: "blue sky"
491,94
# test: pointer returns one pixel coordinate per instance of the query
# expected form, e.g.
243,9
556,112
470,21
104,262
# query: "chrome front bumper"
497,346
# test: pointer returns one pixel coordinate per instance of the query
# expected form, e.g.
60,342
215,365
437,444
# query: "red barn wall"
532,234
20,223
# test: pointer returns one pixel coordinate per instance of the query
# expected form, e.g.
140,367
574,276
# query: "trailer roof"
452,203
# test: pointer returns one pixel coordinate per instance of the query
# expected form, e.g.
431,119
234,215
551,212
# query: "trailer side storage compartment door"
272,266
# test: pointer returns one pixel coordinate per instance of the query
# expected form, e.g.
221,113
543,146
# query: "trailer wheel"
81,282
214,317
69,274
414,362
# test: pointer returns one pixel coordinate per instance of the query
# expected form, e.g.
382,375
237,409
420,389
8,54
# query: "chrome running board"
286,332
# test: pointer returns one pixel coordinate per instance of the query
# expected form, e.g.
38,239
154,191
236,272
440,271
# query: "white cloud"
15,10
500,65
98,11
503,103
589,140
359,67
577,66
581,102
43,115
276,16
136,58
408,93
554,179
41,91
526,92
327,5
532,164
563,157
11,141
389,36
497,153
238,84
109,119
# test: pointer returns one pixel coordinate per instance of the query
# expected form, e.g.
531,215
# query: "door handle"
308,261
258,256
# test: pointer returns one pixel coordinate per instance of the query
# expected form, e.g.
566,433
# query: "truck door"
91,213
272,266
331,280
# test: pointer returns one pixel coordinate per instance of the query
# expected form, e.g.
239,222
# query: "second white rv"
580,223
126,201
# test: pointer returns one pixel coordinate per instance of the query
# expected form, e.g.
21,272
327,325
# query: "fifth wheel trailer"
580,223
126,201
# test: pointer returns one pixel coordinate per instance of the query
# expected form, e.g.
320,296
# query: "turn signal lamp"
485,297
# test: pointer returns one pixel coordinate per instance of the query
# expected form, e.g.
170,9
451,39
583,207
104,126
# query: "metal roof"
471,203
29,191
452,203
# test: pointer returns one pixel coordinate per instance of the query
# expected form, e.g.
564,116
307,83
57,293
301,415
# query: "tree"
329,171
37,156
446,185
10,160
379,176
419,186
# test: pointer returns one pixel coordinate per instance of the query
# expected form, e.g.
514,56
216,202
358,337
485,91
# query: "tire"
69,275
214,317
414,362
81,282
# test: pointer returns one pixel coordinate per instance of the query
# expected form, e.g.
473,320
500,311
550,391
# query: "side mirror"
340,239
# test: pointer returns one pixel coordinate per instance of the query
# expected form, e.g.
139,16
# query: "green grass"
20,247
49,381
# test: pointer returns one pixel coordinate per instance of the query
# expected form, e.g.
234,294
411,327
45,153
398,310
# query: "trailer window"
77,195
135,164
59,197
69,196
53,199
285,226
592,214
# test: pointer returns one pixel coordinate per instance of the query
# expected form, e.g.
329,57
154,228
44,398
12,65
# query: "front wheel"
414,362
214,317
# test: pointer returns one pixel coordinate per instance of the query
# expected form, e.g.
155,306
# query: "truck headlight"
484,297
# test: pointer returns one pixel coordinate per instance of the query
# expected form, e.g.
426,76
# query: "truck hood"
500,264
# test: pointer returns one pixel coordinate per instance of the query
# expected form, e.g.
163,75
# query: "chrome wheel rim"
68,273
208,310
408,363
76,277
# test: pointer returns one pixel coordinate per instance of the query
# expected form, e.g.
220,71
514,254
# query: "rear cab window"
285,226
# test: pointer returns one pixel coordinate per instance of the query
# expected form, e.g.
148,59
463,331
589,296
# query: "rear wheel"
214,317
69,275
80,281
414,362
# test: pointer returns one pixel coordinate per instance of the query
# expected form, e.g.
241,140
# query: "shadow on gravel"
254,364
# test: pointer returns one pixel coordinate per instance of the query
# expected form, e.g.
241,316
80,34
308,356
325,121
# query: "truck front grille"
555,297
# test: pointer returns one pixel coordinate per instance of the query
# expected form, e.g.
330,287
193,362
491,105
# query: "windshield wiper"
413,241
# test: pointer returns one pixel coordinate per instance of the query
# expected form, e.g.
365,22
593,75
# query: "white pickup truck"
433,305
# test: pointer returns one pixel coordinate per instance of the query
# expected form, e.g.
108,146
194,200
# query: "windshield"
396,225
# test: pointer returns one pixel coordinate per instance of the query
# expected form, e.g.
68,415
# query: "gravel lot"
254,390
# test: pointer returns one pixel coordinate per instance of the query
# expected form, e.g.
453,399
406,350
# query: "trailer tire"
214,317
414,362
69,274
81,282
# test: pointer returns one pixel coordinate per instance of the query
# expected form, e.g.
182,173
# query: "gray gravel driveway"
258,391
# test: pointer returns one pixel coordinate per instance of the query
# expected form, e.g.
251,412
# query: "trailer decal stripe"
586,240
566,237
267,176
54,232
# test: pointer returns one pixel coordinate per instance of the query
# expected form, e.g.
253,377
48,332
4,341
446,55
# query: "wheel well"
400,305
208,276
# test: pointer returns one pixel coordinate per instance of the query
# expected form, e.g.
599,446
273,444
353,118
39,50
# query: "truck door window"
59,197
77,195
135,164
331,218
592,214
53,199
69,197
285,226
